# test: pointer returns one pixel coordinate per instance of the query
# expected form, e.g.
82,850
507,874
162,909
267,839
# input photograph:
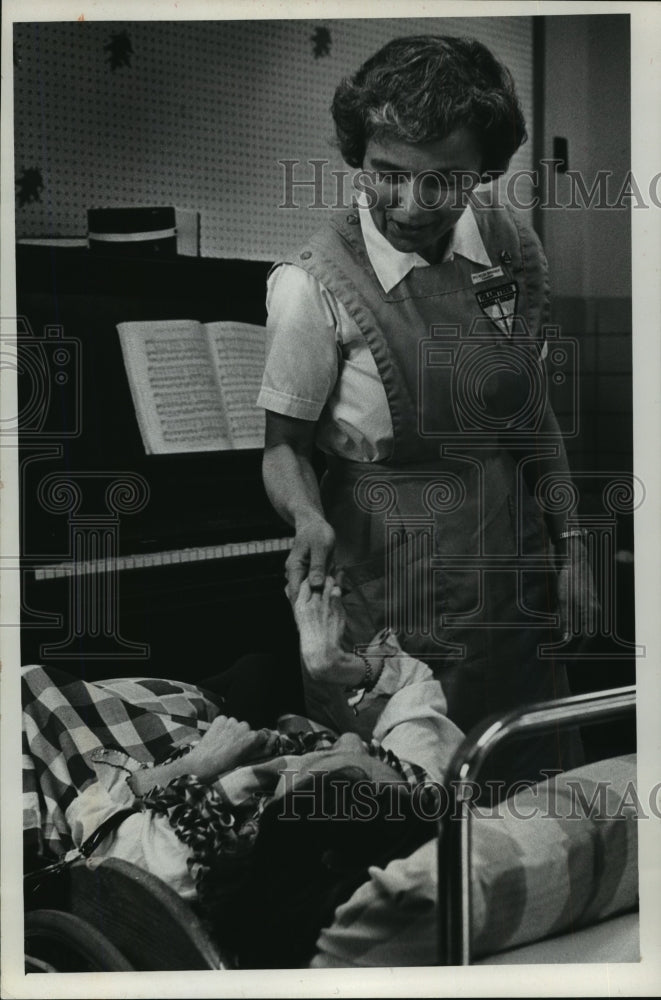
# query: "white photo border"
641,979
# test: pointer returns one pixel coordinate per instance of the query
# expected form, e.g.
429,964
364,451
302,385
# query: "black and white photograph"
329,488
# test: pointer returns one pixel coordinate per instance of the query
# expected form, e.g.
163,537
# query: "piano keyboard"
173,557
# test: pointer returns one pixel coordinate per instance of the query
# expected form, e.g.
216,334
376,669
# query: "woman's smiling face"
417,192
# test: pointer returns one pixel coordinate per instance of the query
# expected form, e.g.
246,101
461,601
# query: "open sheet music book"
194,385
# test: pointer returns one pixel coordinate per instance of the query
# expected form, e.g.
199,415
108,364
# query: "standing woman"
406,342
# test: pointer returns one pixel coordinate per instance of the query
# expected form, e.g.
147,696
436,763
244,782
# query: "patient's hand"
348,752
226,744
321,619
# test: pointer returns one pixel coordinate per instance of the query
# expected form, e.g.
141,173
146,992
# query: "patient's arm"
321,621
406,708
226,744
411,715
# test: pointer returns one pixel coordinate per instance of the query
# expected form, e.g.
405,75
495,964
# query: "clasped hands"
311,556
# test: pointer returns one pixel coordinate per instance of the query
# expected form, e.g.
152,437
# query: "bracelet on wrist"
371,676
572,533
561,541
369,681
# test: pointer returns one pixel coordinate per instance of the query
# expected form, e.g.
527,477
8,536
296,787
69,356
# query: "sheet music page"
175,392
237,350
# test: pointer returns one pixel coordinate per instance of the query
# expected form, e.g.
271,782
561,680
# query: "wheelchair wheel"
61,942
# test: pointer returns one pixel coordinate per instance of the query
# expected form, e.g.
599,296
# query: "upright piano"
134,564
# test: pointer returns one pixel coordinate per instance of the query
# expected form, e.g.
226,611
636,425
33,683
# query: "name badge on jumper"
492,272
499,305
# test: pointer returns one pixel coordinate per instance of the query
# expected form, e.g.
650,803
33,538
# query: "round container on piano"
132,232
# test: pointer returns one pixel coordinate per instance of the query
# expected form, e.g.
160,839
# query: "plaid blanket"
66,720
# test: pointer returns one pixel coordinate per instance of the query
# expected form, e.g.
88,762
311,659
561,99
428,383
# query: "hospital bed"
592,927
116,917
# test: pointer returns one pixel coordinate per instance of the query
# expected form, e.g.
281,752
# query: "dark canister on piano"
132,232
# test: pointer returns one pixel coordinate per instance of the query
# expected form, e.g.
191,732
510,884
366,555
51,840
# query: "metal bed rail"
454,826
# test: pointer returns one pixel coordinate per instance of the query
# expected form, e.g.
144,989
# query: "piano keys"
175,557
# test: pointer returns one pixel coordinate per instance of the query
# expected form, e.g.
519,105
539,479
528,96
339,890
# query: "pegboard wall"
197,114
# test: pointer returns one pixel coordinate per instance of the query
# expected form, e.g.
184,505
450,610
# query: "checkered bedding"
66,720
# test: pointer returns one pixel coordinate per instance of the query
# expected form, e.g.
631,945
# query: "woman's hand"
291,484
311,555
577,599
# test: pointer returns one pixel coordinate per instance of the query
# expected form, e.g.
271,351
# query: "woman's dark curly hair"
420,89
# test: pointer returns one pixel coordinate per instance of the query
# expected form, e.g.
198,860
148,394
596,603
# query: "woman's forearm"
291,484
292,487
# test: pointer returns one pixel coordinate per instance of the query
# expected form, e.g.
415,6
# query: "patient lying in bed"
211,820
216,822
